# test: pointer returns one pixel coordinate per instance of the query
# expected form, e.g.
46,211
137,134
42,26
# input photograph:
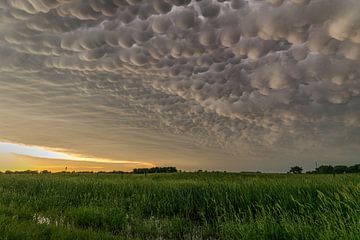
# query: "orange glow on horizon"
15,162
18,157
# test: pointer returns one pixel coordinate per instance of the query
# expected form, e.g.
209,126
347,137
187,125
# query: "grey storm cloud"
251,81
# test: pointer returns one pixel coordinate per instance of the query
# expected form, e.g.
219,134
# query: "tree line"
155,170
323,169
328,169
134,171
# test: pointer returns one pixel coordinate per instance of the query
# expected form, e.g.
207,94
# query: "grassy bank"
179,206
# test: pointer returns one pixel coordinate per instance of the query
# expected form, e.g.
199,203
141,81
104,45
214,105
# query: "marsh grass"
180,206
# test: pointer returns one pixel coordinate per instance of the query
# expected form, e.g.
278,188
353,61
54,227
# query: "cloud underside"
233,84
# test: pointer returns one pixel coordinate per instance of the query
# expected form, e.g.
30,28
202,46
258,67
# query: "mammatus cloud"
229,84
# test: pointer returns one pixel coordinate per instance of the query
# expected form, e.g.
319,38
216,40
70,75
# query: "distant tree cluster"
155,170
337,169
296,170
135,171
328,169
113,172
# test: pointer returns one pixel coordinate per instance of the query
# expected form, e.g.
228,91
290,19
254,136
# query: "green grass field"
179,206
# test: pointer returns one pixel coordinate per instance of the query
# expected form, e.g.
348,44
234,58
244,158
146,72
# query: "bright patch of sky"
12,148
42,152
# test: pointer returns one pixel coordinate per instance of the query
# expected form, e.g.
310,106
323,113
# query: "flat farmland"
179,206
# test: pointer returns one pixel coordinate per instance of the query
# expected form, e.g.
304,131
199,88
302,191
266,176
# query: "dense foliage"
327,169
179,206
296,170
155,170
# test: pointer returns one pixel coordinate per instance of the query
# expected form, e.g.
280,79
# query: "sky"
21,157
237,85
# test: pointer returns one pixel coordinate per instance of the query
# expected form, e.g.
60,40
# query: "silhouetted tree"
354,169
155,170
296,170
328,169
340,169
325,169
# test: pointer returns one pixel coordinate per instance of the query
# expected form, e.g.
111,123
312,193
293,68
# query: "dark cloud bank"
220,84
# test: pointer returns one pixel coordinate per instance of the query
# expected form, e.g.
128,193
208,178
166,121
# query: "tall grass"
180,206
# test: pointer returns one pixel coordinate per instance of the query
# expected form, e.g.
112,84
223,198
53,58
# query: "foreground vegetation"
179,206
